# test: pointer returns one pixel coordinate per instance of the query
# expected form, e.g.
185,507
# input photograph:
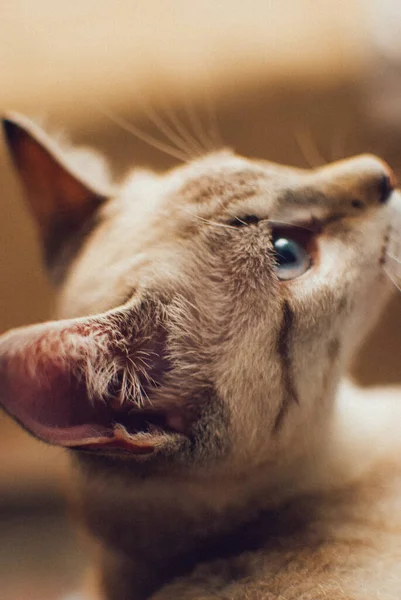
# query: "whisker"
308,147
232,215
397,260
289,224
397,285
196,125
183,131
164,127
234,218
274,222
225,225
214,223
141,135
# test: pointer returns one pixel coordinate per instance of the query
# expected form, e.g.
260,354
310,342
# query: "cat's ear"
90,382
58,198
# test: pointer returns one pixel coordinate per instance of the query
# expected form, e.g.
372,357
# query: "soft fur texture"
252,473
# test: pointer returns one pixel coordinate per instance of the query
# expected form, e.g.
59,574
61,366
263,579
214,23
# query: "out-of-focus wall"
57,57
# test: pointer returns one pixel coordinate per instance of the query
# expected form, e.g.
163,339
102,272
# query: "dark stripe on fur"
284,350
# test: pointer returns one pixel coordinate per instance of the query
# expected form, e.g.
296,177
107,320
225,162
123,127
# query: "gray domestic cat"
206,317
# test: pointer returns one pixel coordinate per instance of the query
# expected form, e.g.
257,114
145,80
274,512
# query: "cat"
195,373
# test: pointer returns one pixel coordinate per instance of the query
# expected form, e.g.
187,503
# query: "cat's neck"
157,529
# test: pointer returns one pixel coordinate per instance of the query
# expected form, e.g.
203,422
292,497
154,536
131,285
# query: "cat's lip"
118,439
137,445
113,445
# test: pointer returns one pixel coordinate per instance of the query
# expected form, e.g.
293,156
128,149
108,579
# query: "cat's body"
215,455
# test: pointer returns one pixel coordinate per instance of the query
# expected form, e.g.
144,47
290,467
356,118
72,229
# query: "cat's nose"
386,186
365,180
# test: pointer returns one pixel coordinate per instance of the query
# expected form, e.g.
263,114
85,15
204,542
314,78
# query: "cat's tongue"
48,374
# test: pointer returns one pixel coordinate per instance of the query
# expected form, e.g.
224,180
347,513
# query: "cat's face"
228,294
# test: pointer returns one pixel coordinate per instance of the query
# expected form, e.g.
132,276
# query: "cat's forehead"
230,177
211,184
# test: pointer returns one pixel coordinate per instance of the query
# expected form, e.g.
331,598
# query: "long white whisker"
233,216
164,127
298,225
397,285
397,260
196,125
214,223
225,225
141,135
183,131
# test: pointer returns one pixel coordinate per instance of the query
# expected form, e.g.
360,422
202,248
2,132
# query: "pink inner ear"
50,374
39,388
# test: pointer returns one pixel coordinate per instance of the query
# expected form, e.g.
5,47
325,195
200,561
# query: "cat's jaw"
211,493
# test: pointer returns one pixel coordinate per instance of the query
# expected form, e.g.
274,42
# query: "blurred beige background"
301,81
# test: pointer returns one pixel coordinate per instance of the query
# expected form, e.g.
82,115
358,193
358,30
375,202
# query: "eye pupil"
292,260
285,253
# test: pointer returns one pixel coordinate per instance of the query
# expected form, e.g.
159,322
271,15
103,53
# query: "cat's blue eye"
292,260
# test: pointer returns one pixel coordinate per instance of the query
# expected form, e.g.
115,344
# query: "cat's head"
206,313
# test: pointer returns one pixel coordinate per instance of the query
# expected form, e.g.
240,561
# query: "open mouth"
133,431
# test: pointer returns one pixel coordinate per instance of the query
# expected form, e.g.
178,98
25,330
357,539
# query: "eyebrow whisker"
289,224
145,137
224,225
